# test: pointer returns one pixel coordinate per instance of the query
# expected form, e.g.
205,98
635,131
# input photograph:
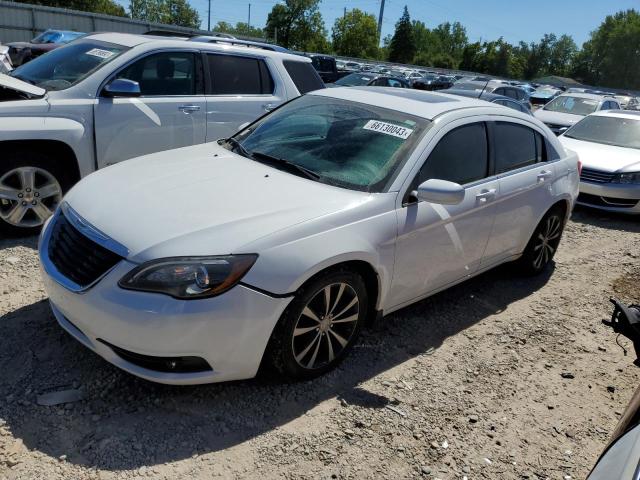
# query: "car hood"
606,158
13,83
200,200
557,118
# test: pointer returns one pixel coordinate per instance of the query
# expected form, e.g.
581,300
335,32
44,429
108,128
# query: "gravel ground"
500,377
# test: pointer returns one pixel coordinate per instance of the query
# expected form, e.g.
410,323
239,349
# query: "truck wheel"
31,187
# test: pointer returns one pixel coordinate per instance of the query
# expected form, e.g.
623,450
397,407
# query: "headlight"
189,277
630,177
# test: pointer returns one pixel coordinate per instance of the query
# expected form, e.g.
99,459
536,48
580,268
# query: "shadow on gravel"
603,219
125,423
29,242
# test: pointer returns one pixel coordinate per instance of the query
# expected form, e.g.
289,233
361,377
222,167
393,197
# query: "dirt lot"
467,383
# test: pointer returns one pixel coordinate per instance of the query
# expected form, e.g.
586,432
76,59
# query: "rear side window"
460,156
234,75
516,146
304,76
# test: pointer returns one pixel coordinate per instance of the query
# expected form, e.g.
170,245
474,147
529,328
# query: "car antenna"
483,88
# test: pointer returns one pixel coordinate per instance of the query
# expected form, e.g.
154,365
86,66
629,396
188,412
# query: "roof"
590,96
414,102
630,114
488,96
133,40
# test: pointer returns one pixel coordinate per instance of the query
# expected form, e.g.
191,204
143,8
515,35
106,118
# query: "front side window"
346,144
163,74
574,105
515,146
304,76
68,65
237,75
460,156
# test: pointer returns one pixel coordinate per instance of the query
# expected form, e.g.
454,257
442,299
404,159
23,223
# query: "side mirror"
121,87
440,191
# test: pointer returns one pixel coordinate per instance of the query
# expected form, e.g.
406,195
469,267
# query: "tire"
31,187
543,244
301,347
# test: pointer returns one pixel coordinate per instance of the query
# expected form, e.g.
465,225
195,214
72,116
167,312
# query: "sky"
514,20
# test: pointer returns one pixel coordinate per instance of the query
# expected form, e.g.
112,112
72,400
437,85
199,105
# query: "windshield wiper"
236,145
281,162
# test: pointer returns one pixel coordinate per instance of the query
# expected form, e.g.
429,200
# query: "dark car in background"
22,52
489,97
326,67
433,82
361,79
518,94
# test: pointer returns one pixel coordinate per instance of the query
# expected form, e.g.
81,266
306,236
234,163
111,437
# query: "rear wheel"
319,327
543,243
30,190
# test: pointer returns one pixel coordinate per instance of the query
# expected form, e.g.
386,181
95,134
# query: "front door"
169,113
440,244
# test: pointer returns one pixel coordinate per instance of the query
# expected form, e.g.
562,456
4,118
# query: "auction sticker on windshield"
388,129
98,52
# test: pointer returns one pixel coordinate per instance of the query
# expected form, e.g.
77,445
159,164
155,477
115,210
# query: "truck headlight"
628,178
188,278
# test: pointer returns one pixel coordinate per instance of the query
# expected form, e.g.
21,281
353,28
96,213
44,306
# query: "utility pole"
209,17
344,14
249,19
380,21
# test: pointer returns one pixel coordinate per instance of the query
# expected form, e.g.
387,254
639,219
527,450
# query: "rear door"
170,112
240,88
525,176
440,244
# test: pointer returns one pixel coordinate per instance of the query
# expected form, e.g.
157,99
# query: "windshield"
66,66
618,131
346,144
48,37
354,79
573,105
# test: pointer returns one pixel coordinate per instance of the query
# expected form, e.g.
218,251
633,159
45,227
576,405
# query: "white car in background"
567,109
608,145
109,97
277,244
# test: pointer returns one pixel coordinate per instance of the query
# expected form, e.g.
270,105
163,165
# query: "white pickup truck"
109,97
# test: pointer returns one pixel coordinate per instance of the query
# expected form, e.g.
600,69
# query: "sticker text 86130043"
388,129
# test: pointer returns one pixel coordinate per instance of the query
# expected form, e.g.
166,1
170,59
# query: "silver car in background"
608,144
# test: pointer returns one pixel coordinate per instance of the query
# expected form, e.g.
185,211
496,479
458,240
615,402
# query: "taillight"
579,168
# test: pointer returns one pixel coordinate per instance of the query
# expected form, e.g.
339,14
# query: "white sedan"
608,144
275,246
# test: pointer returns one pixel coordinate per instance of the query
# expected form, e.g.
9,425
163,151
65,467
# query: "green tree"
611,57
298,24
172,12
107,7
403,46
356,35
240,29
562,55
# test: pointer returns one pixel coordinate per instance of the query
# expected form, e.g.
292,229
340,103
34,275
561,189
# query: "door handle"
486,194
269,106
187,109
544,175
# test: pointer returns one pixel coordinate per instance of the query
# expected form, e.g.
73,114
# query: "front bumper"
612,197
230,332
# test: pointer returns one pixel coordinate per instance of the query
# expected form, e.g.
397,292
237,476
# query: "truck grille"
76,256
595,176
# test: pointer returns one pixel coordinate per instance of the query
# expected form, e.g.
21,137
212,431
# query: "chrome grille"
595,176
76,256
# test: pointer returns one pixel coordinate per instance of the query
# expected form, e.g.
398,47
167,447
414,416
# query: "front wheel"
543,243
30,191
319,327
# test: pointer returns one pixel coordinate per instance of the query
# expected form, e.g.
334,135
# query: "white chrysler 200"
275,246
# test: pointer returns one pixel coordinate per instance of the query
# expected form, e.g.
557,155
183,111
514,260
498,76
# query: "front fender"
58,129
